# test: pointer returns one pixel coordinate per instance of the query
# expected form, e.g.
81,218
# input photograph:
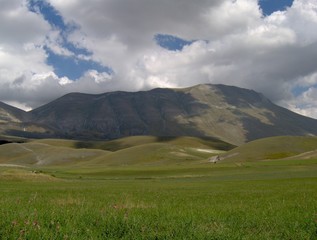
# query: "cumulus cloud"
22,33
235,44
18,25
21,53
305,104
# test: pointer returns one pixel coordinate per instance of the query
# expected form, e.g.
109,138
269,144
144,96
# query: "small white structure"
214,159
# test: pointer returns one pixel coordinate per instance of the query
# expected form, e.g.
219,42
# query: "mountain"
11,114
16,122
232,114
11,117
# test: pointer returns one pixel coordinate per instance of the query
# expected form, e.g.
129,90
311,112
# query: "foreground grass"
274,200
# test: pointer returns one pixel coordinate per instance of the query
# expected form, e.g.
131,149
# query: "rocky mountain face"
232,114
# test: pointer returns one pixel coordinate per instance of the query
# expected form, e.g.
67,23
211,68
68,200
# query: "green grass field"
183,197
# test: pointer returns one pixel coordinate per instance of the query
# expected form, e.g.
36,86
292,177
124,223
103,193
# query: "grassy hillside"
271,148
158,154
152,151
145,150
39,154
133,141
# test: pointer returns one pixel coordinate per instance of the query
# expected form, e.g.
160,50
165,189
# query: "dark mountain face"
113,115
232,114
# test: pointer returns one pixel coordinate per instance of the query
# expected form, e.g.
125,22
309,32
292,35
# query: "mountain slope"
16,122
11,114
11,118
232,114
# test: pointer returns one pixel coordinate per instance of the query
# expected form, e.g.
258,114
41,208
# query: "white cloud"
239,46
21,54
54,42
306,103
232,17
18,25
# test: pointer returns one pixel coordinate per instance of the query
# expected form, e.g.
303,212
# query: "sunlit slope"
142,150
273,148
133,141
156,154
305,155
25,174
16,122
38,154
57,142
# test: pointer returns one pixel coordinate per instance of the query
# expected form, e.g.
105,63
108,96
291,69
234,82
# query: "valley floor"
256,200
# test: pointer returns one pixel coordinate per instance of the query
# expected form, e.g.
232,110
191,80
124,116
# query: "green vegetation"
143,150
183,197
133,141
272,148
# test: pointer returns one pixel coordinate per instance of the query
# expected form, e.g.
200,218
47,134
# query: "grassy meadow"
175,194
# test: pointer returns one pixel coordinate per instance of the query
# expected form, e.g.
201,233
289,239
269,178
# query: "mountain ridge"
232,114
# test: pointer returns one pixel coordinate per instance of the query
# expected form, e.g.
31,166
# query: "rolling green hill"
138,150
133,141
273,148
152,151
39,155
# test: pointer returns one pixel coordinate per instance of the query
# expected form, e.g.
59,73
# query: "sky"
53,47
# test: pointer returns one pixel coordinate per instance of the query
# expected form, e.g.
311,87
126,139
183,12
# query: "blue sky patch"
50,14
171,42
69,66
77,50
270,6
298,90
